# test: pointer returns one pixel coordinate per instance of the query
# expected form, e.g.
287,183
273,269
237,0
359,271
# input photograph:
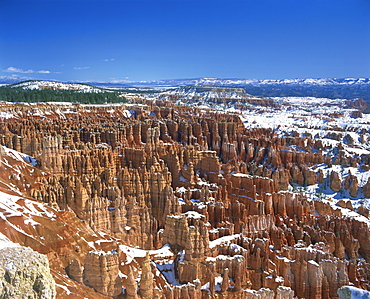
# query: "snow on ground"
343,171
223,240
6,115
131,252
218,283
164,260
19,156
9,206
16,206
323,192
350,292
65,288
168,271
5,242
194,215
37,85
306,115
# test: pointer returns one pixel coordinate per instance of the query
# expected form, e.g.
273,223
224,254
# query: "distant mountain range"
327,87
348,88
253,82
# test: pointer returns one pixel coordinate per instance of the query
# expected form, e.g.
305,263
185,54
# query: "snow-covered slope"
52,85
350,292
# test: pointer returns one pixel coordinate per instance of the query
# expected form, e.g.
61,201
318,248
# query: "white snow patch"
194,215
350,292
5,242
223,240
132,253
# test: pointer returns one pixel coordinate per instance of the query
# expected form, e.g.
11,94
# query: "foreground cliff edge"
239,198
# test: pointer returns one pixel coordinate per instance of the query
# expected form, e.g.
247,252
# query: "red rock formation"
101,273
198,181
131,286
335,182
366,188
146,281
351,183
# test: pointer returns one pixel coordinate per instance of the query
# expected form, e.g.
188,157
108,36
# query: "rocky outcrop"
335,182
366,188
75,271
146,281
101,273
131,286
351,183
25,273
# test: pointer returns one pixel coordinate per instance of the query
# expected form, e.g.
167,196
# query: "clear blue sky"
149,40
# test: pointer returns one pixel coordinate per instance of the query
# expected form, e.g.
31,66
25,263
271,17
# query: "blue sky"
148,40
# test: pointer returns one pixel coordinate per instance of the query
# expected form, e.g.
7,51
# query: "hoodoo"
164,200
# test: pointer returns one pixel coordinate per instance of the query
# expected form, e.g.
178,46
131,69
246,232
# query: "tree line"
14,94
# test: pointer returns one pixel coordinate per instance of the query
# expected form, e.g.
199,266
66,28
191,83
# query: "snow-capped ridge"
54,85
255,82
